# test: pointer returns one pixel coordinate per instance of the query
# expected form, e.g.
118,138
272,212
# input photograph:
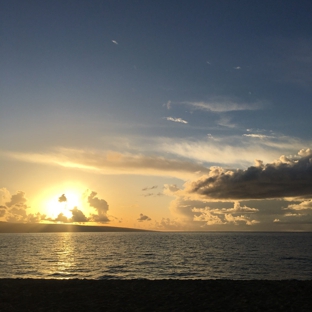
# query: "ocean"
157,255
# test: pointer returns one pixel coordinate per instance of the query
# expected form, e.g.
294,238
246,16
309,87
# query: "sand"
157,295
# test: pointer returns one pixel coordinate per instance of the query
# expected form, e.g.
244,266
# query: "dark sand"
157,295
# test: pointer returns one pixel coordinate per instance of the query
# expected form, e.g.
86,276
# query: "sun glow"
62,200
54,207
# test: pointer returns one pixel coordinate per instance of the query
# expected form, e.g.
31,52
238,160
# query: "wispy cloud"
232,150
180,120
222,105
149,188
109,162
114,41
168,105
226,122
259,136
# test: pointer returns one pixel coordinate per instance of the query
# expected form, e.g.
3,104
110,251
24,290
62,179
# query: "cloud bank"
13,208
286,177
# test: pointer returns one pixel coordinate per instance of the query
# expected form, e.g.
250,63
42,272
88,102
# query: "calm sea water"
157,255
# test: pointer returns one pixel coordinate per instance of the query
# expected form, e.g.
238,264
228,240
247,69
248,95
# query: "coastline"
154,295
7,227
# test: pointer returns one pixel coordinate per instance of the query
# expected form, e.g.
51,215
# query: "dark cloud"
149,188
78,216
62,218
62,198
159,194
287,177
101,206
143,218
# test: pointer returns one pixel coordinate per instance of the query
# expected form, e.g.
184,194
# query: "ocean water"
157,255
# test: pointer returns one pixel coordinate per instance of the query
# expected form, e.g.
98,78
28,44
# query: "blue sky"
118,97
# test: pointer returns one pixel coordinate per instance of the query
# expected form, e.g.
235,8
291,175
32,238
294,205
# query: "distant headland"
7,227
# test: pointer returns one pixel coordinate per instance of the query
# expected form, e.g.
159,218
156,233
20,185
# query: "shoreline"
155,295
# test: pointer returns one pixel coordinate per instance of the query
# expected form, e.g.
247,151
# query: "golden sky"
165,116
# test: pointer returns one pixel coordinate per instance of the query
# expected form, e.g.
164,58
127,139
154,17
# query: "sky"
162,115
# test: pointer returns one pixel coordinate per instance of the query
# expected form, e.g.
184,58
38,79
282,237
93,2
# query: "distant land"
7,227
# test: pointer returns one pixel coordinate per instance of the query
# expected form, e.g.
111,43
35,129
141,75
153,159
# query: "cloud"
226,122
168,225
4,196
236,209
259,136
223,105
143,218
113,162
228,199
180,120
168,105
114,41
159,194
62,198
239,219
237,67
198,214
61,218
218,216
2,211
286,177
304,205
207,217
235,151
101,206
17,200
35,218
78,216
149,188
13,208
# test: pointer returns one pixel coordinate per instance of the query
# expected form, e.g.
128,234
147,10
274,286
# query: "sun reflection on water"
63,257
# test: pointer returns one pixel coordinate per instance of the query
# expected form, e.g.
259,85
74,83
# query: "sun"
63,203
60,201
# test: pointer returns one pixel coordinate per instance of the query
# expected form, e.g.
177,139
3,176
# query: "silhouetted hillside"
6,227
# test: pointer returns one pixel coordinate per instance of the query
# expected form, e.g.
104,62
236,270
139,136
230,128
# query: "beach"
154,295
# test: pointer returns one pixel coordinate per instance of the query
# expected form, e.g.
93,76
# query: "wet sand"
157,295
